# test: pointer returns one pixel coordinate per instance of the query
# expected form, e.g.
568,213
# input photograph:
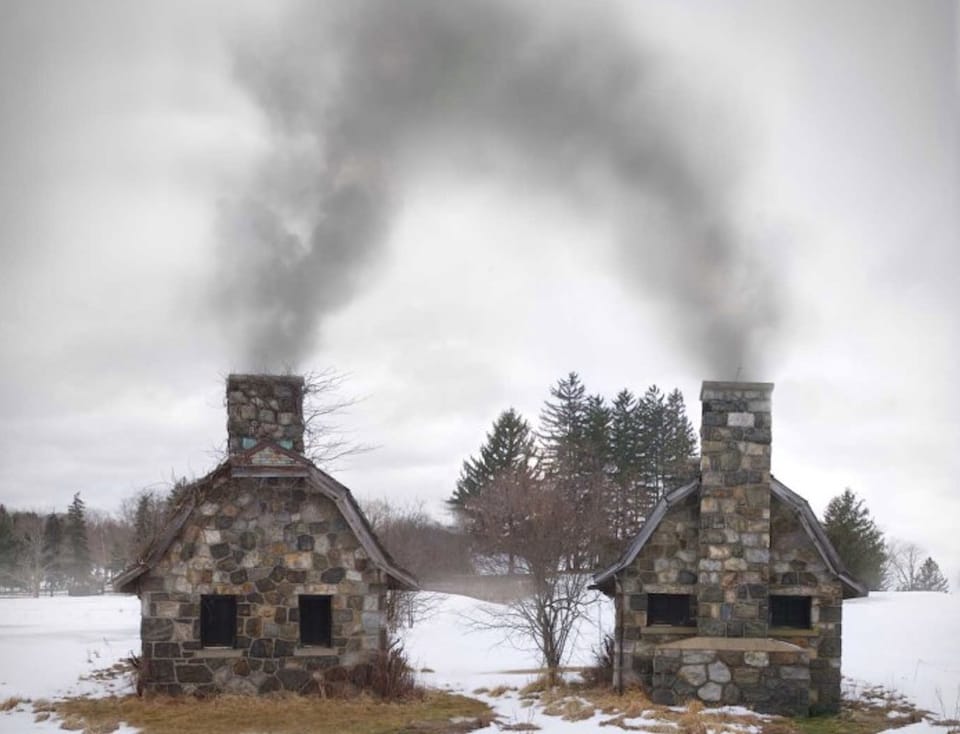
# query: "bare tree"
903,564
33,563
421,545
324,403
534,521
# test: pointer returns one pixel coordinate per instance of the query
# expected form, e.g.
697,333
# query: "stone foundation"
766,675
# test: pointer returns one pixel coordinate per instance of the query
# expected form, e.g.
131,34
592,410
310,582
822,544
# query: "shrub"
601,674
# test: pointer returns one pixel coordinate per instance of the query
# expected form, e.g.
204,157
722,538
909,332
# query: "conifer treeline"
612,459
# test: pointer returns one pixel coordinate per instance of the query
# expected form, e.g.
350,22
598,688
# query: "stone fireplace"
731,592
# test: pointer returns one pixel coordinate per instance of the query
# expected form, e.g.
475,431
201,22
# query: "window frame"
213,631
664,606
309,605
782,616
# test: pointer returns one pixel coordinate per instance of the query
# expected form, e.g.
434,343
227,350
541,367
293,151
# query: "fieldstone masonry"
734,509
266,540
265,527
264,407
730,542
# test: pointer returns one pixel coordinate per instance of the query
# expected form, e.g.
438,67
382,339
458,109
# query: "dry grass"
868,715
11,703
278,714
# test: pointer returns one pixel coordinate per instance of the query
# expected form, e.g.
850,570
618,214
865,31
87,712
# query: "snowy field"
48,647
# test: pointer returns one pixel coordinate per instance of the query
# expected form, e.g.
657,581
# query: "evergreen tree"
595,450
508,446
53,534
628,509
9,547
653,449
679,443
76,536
930,578
856,538
147,520
563,428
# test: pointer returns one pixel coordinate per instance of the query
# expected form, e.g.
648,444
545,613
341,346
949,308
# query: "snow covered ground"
908,642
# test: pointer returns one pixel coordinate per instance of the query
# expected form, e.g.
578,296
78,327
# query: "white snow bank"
909,642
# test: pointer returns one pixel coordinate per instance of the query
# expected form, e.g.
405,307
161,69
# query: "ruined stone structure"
267,574
732,593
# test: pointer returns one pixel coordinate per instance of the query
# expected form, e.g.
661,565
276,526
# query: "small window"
218,620
316,621
672,609
790,611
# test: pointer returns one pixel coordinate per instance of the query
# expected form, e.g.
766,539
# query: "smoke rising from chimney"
360,96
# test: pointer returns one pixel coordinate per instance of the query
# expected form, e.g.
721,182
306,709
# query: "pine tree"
628,509
53,534
9,546
930,578
76,535
508,446
856,538
679,443
563,428
653,442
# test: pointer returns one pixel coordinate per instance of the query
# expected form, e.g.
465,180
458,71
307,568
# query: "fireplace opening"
671,609
316,620
790,611
218,620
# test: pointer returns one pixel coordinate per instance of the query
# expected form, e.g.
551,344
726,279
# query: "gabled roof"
808,521
267,458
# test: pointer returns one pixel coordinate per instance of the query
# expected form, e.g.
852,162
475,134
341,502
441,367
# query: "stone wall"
797,569
264,407
667,564
734,509
763,674
267,541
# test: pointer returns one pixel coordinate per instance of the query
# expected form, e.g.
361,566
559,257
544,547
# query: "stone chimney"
264,407
734,560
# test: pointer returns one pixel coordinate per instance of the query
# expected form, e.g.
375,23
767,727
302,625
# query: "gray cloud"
361,98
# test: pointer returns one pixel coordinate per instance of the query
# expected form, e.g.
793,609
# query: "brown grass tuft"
11,703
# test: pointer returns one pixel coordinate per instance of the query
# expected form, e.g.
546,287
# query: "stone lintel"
744,644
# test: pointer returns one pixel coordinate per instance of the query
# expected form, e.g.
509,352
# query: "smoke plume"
360,96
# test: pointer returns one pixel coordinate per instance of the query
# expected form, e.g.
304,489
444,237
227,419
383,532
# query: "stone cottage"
731,592
267,573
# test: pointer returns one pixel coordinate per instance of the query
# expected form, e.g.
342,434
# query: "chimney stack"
263,407
734,509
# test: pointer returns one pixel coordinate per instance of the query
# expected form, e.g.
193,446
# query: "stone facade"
266,541
268,535
729,544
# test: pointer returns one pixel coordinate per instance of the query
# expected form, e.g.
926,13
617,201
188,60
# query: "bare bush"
530,519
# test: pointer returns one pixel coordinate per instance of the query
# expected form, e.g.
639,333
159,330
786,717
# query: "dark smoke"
361,96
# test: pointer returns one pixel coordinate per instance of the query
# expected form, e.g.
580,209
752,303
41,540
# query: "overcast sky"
458,203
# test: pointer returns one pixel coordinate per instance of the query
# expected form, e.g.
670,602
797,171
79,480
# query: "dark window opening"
316,621
790,611
672,609
218,620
